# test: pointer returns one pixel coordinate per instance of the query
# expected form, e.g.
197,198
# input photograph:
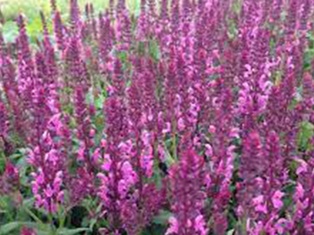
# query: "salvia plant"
186,118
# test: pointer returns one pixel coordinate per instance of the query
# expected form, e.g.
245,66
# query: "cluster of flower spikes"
204,103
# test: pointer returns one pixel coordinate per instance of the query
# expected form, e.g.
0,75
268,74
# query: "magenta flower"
186,185
27,231
277,199
252,167
76,67
59,31
75,17
48,178
9,180
3,120
26,69
106,37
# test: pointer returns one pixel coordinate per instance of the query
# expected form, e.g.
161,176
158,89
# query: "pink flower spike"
299,191
209,150
259,204
174,226
277,199
128,173
302,167
107,163
200,225
181,125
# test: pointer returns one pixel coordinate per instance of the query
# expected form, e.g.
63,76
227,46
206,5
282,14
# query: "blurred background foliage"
31,8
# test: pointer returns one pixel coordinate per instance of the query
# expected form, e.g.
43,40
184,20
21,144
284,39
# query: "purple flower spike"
186,182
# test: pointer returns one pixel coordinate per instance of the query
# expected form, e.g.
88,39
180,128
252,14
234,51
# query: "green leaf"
99,102
9,227
305,134
154,229
65,231
92,224
230,232
169,160
43,232
2,162
162,218
123,56
154,50
308,57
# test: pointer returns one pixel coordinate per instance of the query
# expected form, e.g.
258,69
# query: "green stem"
53,230
61,220
174,141
243,226
34,217
3,204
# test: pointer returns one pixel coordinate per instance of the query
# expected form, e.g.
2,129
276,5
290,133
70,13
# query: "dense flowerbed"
191,118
